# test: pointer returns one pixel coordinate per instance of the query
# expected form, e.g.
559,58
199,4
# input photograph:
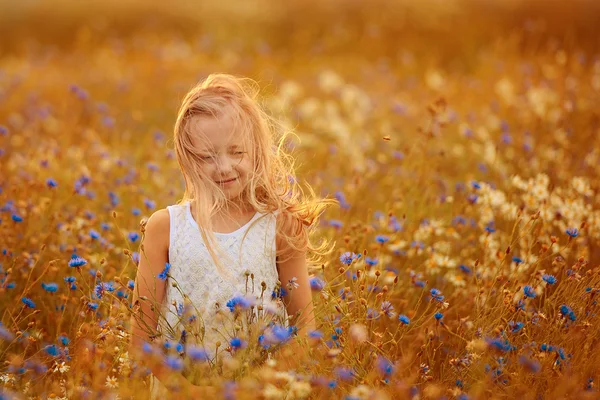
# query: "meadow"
461,140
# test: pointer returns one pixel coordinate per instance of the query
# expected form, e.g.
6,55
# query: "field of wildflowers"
461,139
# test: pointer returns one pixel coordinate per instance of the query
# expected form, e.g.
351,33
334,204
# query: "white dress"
197,276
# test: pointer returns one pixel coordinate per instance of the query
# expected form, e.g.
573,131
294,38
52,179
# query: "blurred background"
450,126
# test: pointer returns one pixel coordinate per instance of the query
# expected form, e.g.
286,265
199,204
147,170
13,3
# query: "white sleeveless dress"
197,276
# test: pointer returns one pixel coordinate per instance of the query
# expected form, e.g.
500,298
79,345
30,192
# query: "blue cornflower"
163,274
465,269
404,319
197,353
436,294
94,234
92,306
237,343
572,232
385,366
28,302
371,261
135,257
529,291
515,326
133,236
438,315
174,362
50,287
566,310
238,302
344,373
76,261
336,223
51,183
348,257
70,279
16,218
475,185
131,284
517,260
64,340
52,350
382,239
278,292
550,279
280,333
315,334
136,211
149,204
317,284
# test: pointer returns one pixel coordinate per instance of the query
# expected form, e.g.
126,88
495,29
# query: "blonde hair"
272,184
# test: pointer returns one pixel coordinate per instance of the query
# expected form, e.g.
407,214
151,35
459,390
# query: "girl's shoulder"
157,228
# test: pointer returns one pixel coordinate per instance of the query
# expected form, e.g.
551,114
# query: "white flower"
112,382
293,282
272,392
300,390
62,367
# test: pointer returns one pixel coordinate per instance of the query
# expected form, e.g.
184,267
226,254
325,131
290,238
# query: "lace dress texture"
194,271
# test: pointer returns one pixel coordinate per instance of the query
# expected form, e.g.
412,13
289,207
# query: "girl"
242,216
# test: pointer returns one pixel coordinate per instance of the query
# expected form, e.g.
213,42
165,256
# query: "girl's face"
222,154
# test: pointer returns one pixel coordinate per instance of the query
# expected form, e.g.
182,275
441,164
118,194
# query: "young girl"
242,216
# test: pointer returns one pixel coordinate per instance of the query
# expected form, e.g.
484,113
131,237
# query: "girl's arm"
150,290
300,297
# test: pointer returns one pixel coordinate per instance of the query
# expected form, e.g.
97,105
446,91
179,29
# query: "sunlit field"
461,139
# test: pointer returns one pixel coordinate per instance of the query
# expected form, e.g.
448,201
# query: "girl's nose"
225,164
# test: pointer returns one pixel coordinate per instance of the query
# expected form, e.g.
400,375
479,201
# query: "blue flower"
149,204
51,183
336,223
348,257
529,291
315,334
404,319
344,373
237,343
94,234
131,284
70,279
465,269
550,279
135,256
52,350
572,232
50,287
371,261
566,310
438,315
280,333
28,302
135,211
517,260
515,326
163,274
76,261
384,366
278,292
16,218
240,302
317,284
92,306
64,340
436,294
174,362
382,239
197,353
133,236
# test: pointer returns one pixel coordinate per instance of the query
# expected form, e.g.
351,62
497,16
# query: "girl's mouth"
227,181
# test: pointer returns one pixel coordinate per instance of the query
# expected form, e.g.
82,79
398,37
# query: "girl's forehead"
208,133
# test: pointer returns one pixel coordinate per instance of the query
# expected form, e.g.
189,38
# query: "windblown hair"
272,183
